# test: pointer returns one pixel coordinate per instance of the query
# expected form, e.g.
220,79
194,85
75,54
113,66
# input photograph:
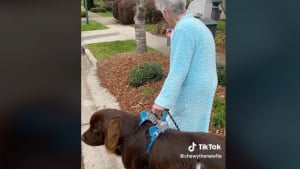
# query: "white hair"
175,7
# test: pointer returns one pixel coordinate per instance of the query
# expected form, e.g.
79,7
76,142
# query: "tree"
140,34
187,3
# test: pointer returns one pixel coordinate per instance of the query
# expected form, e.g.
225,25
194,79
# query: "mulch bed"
113,73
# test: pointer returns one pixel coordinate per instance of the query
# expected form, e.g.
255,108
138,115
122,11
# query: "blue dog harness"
159,126
154,131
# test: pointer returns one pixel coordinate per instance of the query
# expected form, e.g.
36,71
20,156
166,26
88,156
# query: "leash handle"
167,110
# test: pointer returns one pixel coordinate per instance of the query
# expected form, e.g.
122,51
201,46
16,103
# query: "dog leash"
167,110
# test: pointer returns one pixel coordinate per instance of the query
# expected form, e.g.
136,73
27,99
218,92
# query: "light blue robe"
189,88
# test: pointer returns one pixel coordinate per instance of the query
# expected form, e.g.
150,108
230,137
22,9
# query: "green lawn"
106,49
220,37
150,27
219,115
221,25
93,25
105,14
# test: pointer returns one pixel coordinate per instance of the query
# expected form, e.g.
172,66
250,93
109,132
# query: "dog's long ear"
113,134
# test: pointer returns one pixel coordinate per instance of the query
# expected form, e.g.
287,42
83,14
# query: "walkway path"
93,98
124,32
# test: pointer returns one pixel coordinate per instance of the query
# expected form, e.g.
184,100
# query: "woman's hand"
157,108
168,32
171,20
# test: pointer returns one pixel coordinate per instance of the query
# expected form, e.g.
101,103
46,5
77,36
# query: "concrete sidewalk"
93,98
117,31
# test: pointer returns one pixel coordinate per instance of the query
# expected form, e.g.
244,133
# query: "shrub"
161,27
82,13
115,9
109,5
103,5
98,9
221,75
152,15
102,9
124,10
218,120
145,72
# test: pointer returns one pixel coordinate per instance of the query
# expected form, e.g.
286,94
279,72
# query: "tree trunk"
187,3
140,34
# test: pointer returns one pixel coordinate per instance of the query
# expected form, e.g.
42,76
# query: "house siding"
207,9
203,7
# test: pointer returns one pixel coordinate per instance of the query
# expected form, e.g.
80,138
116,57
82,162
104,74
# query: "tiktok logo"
191,148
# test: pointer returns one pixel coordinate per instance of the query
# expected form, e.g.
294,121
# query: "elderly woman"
189,88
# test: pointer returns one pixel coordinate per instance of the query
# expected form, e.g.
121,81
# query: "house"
202,9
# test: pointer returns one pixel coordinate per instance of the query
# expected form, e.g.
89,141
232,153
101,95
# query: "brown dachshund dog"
121,134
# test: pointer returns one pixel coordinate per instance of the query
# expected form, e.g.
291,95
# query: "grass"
105,49
147,92
220,37
219,114
93,25
150,27
105,14
218,119
221,25
221,75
